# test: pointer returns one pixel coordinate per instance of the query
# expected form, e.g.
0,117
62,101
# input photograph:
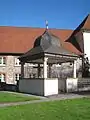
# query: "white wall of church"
86,36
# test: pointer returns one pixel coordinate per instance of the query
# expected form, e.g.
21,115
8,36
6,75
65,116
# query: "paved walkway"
45,99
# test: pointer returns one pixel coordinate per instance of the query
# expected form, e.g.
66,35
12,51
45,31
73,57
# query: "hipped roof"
46,43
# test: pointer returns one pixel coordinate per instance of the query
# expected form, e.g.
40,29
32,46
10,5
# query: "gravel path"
45,99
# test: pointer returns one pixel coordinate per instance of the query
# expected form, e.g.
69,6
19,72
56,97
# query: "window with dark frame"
2,77
17,76
2,60
17,62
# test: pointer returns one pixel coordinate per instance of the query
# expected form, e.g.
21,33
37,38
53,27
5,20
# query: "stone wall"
10,69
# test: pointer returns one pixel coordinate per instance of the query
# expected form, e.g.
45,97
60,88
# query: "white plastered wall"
86,37
50,86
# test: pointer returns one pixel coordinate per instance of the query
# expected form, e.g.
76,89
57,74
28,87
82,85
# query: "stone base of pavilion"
47,86
39,86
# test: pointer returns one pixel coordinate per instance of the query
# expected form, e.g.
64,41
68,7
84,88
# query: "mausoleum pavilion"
47,50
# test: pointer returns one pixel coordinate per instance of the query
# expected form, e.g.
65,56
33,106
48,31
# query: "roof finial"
46,24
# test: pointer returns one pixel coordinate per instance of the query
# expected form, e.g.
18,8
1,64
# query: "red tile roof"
20,39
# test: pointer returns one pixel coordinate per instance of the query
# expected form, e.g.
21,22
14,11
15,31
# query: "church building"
64,48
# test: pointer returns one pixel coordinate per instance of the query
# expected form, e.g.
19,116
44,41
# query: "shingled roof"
47,43
18,40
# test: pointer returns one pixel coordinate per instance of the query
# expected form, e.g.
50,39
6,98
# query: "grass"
76,109
14,97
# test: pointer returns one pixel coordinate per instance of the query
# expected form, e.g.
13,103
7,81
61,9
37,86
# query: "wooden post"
50,65
74,69
39,71
22,70
45,67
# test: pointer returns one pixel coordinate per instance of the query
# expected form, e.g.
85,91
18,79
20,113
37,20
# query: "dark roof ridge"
80,27
83,22
77,33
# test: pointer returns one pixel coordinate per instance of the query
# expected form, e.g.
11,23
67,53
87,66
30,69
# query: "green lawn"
14,97
76,109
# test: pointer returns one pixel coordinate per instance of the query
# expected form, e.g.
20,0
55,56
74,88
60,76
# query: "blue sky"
61,14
